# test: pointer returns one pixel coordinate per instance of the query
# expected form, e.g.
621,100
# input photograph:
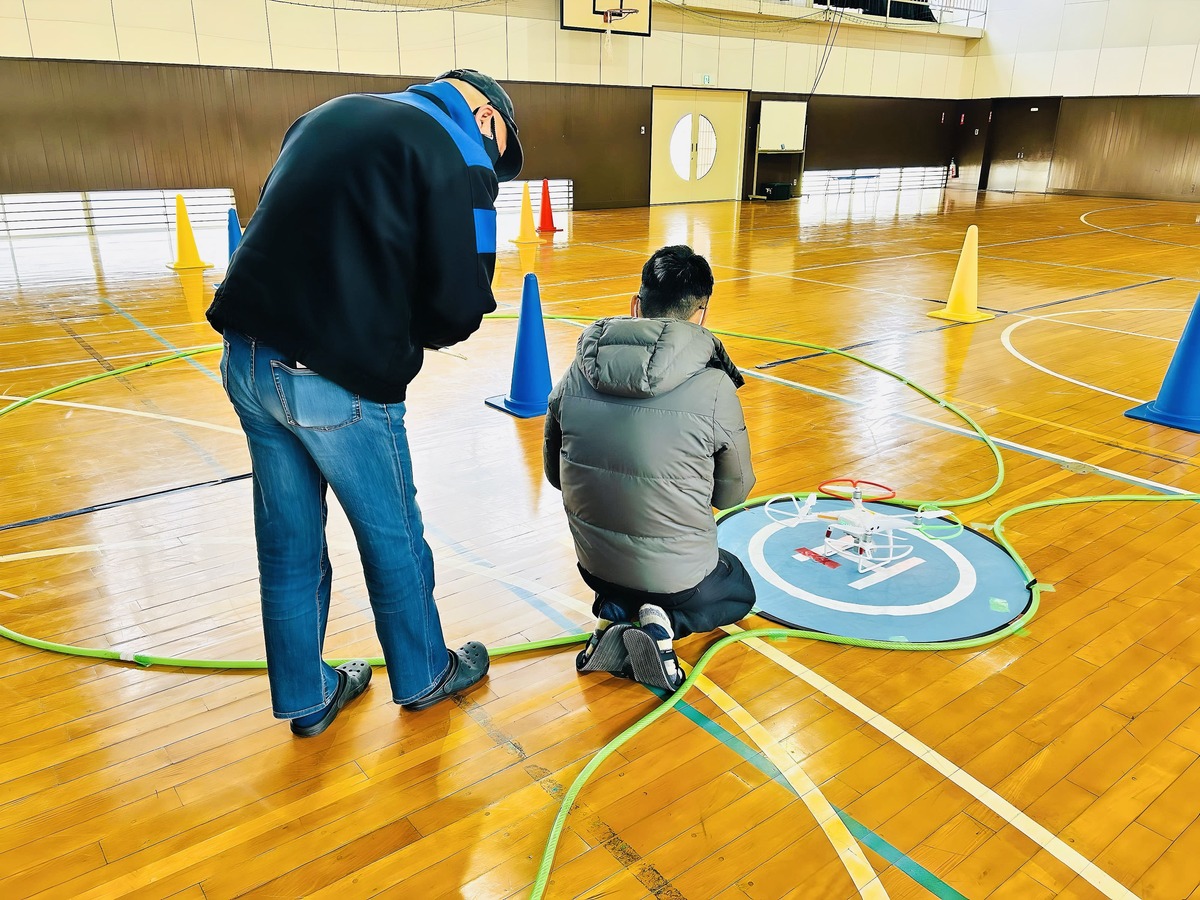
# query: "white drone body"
863,536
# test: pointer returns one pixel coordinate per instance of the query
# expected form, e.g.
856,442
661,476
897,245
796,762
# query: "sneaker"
653,663
604,652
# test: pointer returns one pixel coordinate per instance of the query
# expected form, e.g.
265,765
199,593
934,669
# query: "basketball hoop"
609,16
615,15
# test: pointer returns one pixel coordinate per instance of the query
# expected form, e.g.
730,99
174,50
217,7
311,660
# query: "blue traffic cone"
1178,403
530,390
235,231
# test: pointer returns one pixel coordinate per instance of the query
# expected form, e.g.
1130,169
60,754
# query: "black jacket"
375,237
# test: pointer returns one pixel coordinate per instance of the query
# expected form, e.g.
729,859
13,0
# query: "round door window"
706,148
681,147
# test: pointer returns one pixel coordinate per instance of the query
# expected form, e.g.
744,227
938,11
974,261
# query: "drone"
864,536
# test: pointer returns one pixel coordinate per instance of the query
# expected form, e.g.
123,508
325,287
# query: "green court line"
860,832
901,861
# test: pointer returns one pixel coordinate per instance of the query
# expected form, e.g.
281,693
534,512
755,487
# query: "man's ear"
635,306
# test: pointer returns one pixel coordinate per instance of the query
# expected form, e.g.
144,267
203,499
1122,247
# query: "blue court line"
528,596
162,340
901,861
860,832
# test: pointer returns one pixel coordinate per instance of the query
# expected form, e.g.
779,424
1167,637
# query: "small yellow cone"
528,233
187,257
963,304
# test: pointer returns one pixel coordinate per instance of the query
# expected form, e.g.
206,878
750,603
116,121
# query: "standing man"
374,240
645,435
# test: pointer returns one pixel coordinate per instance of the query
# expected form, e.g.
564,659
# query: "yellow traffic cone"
963,304
528,233
188,257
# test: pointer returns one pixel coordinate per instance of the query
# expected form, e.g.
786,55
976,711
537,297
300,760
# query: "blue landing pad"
945,590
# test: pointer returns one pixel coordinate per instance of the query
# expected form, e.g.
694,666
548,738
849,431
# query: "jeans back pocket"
310,401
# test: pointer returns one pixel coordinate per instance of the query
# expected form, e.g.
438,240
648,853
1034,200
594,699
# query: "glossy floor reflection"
1059,762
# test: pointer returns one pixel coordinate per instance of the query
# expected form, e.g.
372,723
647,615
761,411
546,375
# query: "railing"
562,195
900,13
850,181
89,211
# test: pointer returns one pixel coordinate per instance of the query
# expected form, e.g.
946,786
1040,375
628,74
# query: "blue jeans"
306,434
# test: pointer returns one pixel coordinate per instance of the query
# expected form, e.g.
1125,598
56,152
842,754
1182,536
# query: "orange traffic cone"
963,303
187,256
528,234
546,226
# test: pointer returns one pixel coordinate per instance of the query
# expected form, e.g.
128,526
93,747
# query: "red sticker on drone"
817,557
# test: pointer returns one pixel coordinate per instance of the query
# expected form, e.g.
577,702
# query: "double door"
696,145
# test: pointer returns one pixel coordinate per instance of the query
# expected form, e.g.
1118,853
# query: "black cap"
509,165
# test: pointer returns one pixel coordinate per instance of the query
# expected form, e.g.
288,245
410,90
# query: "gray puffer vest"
644,436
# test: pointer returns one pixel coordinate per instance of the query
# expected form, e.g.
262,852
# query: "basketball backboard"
630,17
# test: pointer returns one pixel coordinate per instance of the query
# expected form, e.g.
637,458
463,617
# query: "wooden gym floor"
1060,762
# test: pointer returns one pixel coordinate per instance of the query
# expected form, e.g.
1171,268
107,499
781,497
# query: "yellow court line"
848,850
1053,844
1124,445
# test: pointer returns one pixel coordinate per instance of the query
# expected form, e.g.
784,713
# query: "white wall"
1030,47
525,45
1081,48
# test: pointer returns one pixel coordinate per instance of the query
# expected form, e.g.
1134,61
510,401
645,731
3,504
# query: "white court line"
1055,318
1054,845
1006,340
966,432
1136,237
195,423
848,850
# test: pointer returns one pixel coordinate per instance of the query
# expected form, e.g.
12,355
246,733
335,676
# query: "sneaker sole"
610,654
647,664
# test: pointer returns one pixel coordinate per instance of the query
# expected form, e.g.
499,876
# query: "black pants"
724,596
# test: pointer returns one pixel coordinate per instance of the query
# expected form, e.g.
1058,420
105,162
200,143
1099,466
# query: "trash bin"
777,191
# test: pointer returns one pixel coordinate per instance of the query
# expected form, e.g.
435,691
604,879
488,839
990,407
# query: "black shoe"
353,678
468,666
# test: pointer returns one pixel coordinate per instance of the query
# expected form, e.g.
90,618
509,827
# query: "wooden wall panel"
74,126
972,124
597,136
857,132
1128,147
1020,144
860,132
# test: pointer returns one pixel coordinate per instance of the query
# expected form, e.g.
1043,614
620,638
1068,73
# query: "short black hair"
676,281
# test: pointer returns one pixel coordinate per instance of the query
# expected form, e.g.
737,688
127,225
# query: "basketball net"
608,51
